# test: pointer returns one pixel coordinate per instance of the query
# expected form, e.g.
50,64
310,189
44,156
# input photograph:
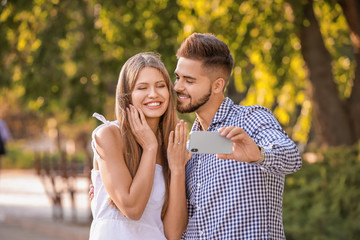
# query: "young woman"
139,160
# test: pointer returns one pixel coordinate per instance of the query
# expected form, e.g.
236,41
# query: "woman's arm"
129,194
176,217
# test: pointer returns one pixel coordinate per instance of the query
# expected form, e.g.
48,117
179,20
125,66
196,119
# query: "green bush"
322,200
17,158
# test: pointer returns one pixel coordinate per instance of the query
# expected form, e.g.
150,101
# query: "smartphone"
208,142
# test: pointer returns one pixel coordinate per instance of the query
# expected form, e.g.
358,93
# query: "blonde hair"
131,149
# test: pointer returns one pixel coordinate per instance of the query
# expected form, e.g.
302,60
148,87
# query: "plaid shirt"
228,199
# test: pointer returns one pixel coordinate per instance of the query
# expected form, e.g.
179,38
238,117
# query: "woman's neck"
153,124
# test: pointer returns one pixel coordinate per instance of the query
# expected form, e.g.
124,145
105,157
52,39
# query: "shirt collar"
220,115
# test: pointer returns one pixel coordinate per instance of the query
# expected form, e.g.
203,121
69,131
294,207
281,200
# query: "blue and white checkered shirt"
228,199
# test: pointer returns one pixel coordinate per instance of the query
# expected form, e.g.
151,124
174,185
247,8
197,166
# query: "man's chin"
186,109
182,109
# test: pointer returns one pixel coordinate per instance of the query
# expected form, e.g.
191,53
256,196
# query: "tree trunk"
330,118
351,10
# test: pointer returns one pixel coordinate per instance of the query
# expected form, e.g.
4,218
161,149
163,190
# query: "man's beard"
193,107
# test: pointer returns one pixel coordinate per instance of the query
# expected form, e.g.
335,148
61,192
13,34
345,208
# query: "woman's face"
151,93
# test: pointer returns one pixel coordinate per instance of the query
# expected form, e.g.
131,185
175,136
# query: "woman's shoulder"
108,134
106,129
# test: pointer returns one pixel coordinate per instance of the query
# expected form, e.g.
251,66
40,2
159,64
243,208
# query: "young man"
239,195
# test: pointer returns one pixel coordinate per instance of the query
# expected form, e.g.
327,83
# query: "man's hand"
91,192
244,147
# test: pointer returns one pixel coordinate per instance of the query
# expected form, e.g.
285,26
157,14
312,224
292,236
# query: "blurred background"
60,60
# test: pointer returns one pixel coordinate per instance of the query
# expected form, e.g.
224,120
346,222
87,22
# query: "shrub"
17,158
321,201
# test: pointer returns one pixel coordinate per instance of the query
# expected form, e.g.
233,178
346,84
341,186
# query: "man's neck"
206,113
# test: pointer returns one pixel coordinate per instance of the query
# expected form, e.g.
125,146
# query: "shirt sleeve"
281,154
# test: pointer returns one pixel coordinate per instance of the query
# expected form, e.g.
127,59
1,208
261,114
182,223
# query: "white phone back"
208,142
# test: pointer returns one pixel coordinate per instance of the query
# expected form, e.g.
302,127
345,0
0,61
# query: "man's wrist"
262,156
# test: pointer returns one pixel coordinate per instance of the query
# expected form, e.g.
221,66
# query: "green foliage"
17,158
269,69
321,201
264,39
66,55
336,38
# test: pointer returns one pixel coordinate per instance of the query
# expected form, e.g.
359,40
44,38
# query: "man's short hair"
211,51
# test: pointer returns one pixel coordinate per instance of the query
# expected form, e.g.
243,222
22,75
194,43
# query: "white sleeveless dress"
109,223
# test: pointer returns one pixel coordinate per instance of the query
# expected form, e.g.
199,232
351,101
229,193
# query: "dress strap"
93,141
100,117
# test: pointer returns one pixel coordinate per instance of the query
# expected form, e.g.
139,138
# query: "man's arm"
281,155
261,129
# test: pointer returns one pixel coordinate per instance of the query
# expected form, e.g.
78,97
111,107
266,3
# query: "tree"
298,58
47,58
282,62
336,118
66,55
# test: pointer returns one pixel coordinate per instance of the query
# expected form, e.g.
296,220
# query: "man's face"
192,85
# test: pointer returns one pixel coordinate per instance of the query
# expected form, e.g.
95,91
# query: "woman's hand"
140,128
177,154
176,217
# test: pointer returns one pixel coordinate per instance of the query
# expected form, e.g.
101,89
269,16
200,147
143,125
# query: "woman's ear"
218,85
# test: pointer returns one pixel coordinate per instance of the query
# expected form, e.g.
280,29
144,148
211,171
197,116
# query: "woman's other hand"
177,154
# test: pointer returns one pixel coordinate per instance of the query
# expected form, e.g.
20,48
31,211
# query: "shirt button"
198,185
199,161
201,232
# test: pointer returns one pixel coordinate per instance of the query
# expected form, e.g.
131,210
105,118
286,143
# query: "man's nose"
178,86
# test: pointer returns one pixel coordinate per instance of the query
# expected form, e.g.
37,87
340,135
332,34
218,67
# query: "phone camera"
194,150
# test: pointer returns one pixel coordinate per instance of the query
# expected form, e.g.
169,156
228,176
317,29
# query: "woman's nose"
153,92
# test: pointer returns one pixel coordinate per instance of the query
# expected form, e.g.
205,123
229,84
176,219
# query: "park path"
26,212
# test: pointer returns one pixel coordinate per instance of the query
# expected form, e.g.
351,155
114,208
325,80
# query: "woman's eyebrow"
147,83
